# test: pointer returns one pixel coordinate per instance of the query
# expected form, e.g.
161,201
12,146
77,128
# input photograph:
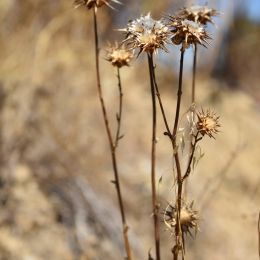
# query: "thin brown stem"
168,133
193,92
178,229
153,161
179,94
110,139
194,74
180,239
193,147
119,114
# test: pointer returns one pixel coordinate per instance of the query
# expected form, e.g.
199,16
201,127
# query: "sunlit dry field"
57,199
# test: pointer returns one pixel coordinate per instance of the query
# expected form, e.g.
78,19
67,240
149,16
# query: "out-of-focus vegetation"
241,64
55,193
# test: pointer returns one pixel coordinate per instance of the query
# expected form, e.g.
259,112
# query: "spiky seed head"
208,123
118,55
187,32
188,218
147,34
94,3
199,14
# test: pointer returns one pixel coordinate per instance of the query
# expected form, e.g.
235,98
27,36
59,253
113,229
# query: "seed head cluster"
147,34
188,218
94,3
118,55
208,123
198,14
187,32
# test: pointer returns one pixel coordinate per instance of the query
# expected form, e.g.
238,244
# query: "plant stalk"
193,92
172,136
119,114
193,148
111,143
153,161
178,229
194,74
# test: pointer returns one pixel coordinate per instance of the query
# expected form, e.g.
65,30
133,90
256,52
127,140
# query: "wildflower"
187,32
199,14
188,217
147,34
94,3
208,123
119,56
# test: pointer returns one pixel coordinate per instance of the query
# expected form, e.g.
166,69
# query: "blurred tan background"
56,198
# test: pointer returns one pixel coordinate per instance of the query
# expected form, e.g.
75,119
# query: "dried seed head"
199,14
188,218
147,34
94,3
118,55
187,32
208,123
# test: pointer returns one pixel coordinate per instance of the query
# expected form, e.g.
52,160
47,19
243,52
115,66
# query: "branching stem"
193,148
178,229
179,235
111,143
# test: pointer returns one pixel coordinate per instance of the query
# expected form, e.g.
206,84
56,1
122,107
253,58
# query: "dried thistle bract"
199,14
187,32
188,218
208,123
118,55
94,3
147,34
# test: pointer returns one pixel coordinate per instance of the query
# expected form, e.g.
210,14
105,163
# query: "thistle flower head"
188,218
199,14
94,3
208,123
187,32
147,34
118,55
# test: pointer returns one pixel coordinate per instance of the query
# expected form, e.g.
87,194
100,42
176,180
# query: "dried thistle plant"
202,15
94,3
146,34
149,35
208,123
113,143
187,32
118,55
188,218
199,14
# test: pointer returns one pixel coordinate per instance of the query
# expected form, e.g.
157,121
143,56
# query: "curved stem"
193,147
110,139
153,161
